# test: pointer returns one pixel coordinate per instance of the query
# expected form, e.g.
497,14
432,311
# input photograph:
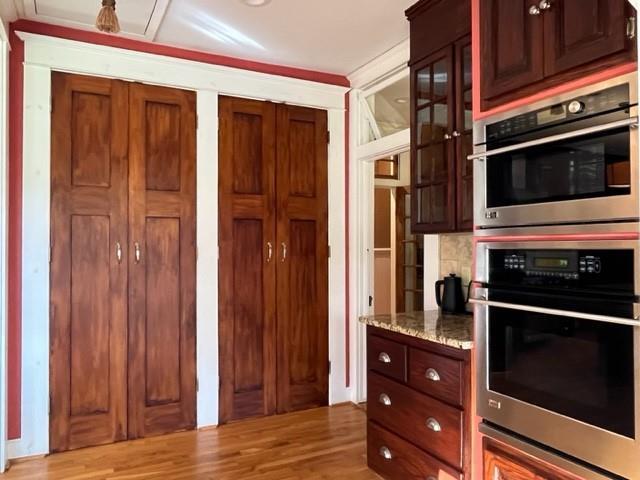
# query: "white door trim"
46,54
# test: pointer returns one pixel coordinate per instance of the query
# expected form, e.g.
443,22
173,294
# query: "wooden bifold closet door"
122,261
273,296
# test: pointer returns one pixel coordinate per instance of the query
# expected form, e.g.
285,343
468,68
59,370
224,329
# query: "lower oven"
558,341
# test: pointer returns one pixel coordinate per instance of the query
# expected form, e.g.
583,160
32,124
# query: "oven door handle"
560,313
629,122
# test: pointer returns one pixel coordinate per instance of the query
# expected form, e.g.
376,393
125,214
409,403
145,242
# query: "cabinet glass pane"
423,86
438,197
424,127
441,78
440,120
466,150
425,165
389,109
424,199
468,110
466,66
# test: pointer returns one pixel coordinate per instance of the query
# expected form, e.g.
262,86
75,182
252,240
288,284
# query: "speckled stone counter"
447,329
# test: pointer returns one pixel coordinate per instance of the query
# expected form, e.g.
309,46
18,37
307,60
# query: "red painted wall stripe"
347,320
16,58
16,81
175,52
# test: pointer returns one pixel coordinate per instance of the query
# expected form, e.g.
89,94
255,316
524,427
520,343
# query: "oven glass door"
578,368
592,166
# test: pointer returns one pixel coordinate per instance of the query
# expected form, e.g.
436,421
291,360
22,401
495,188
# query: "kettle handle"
439,292
469,292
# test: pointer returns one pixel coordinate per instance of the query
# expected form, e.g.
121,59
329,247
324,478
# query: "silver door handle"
284,251
456,134
629,122
544,5
384,399
385,453
136,247
384,357
119,252
560,313
534,10
433,424
432,374
269,251
447,136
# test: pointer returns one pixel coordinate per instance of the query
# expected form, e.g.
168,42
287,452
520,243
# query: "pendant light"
107,20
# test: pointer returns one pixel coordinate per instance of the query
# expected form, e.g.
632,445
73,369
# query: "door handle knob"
284,251
534,10
119,252
136,247
269,251
544,5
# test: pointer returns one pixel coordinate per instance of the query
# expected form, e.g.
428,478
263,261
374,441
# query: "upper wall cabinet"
531,45
441,116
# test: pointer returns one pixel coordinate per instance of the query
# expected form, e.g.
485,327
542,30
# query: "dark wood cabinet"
418,399
505,463
441,116
528,46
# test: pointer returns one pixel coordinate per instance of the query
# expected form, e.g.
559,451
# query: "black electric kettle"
453,300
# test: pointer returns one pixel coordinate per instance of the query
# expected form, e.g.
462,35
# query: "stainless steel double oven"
558,280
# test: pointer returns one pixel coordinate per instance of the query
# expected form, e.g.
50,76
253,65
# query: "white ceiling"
335,36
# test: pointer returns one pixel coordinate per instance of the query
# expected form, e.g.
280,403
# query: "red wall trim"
560,237
564,87
16,84
175,52
16,58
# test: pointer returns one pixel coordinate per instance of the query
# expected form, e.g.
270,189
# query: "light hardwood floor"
325,443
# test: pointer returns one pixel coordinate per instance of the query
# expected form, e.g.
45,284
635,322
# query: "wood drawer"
396,459
436,375
408,413
387,357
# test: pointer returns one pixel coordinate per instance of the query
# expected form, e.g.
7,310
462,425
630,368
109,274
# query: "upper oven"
558,346
562,161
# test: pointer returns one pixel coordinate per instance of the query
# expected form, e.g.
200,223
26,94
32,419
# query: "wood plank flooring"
325,443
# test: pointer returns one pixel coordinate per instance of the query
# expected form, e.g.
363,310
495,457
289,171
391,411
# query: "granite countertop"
454,330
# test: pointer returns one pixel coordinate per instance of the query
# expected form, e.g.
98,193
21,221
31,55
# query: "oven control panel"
565,265
590,264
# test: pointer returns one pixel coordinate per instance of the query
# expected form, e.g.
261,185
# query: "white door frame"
4,141
46,54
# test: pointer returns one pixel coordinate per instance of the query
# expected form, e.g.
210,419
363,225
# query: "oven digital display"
542,262
552,114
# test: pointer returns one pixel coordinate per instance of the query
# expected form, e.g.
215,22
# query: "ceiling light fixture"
256,3
402,100
107,20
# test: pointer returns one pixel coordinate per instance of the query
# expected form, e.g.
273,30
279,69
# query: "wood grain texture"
247,287
303,270
88,329
407,461
408,413
311,445
162,329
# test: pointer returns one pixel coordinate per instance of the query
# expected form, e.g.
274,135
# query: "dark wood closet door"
162,258
583,31
88,305
302,294
247,240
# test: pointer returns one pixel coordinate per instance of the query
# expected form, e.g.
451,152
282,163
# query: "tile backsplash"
456,252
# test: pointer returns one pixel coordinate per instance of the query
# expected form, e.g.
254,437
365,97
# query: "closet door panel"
302,276
88,327
247,259
162,258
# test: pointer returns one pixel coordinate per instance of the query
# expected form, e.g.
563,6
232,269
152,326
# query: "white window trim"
46,54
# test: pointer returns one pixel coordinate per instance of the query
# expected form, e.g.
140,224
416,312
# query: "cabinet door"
162,266
303,260
88,262
433,151
512,48
247,238
464,135
578,32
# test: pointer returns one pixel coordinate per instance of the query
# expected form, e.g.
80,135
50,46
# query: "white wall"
44,55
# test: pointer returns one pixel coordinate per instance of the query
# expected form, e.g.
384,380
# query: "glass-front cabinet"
442,123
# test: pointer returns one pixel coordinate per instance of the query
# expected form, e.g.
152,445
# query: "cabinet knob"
447,136
433,424
384,399
384,357
385,453
432,374
544,5
456,134
534,10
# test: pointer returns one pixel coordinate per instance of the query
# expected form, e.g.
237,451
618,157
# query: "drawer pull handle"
432,374
385,453
384,357
433,424
384,399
